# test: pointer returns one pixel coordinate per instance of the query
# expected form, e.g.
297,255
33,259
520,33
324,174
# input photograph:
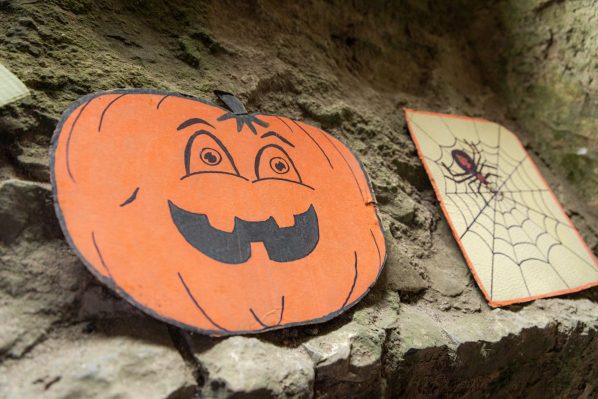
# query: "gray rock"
35,159
352,353
26,207
382,311
498,352
446,269
97,366
348,361
420,331
400,270
39,284
249,368
402,208
329,114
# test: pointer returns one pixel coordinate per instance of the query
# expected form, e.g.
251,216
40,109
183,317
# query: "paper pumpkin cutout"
517,240
215,219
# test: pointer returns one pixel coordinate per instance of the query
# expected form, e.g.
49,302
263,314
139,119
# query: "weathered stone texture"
350,67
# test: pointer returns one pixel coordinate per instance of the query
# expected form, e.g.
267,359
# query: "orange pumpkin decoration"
214,219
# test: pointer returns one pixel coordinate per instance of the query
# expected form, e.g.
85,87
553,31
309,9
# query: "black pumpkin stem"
238,112
231,102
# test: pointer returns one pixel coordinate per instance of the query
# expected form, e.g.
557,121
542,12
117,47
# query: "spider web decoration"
517,240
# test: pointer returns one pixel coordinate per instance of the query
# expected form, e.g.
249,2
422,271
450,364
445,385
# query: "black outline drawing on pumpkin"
290,160
189,147
80,105
131,198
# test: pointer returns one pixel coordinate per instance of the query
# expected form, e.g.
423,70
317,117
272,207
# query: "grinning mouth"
283,244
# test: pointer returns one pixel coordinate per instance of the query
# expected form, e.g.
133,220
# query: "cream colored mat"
11,88
519,243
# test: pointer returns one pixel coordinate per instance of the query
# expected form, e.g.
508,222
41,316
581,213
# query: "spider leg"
453,173
482,194
460,174
476,191
480,187
492,186
447,168
475,152
487,175
480,158
470,177
485,165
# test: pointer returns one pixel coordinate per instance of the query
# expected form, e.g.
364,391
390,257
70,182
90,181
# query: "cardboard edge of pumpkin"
111,284
445,213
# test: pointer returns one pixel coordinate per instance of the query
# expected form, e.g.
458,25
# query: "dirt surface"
349,67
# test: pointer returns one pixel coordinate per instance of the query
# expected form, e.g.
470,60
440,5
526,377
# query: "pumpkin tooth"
286,220
226,224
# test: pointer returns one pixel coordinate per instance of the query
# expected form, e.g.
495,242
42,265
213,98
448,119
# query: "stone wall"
349,67
546,70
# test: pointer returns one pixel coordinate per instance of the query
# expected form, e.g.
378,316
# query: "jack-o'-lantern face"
213,219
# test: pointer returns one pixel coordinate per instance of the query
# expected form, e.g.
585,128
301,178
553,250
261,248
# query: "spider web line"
512,243
523,219
464,204
434,140
447,146
555,237
535,244
540,213
493,196
502,191
494,220
515,253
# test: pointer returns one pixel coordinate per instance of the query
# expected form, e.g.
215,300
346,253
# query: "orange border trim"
454,230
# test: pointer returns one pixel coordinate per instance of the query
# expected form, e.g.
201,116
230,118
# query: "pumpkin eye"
205,153
210,156
273,162
279,165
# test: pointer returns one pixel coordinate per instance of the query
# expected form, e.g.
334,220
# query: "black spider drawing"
473,169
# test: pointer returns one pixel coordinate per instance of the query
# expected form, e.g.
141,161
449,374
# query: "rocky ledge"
425,330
